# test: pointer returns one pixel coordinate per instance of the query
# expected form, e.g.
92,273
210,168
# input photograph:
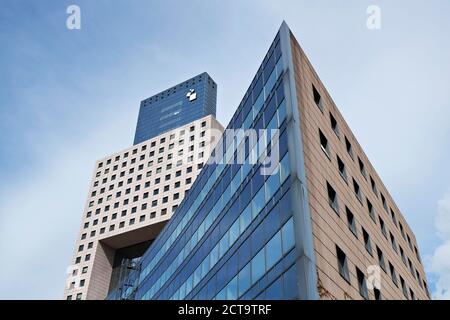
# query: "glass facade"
188,101
233,235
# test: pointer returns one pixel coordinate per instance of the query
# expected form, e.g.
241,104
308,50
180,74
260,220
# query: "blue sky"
69,97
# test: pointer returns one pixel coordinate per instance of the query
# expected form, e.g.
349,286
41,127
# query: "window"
342,264
383,227
411,293
377,294
404,289
367,242
393,242
341,167
402,254
394,218
362,168
351,221
82,283
371,210
362,284
381,259
401,230
79,296
357,190
349,148
324,143
383,201
393,274
317,98
334,125
332,198
374,186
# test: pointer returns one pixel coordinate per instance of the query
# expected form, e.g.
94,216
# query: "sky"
70,97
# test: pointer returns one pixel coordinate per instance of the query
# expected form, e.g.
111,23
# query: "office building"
320,224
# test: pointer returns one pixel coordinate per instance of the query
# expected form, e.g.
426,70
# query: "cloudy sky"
69,97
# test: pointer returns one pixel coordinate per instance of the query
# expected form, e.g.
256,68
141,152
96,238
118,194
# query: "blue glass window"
232,289
244,279
290,284
273,251
258,104
272,184
271,82
288,235
258,266
284,167
224,244
281,112
234,232
279,67
245,218
258,202
275,291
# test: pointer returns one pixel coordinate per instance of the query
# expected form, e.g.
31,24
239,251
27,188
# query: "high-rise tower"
134,192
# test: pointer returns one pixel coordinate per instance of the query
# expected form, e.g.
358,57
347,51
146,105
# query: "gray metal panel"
307,276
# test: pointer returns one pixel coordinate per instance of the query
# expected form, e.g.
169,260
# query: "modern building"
188,101
320,225
133,193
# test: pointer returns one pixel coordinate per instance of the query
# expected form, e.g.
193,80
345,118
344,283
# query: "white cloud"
439,263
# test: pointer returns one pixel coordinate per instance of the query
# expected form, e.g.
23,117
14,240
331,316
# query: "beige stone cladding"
327,138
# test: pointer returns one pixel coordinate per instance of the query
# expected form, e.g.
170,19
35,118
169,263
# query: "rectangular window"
393,274
394,218
371,210
332,198
383,201
317,98
324,143
381,261
362,168
334,125
341,167
367,242
404,289
362,285
357,190
349,148
383,227
342,264
351,221
374,186
393,242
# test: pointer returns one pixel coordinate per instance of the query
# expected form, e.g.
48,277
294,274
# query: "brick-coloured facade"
331,229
